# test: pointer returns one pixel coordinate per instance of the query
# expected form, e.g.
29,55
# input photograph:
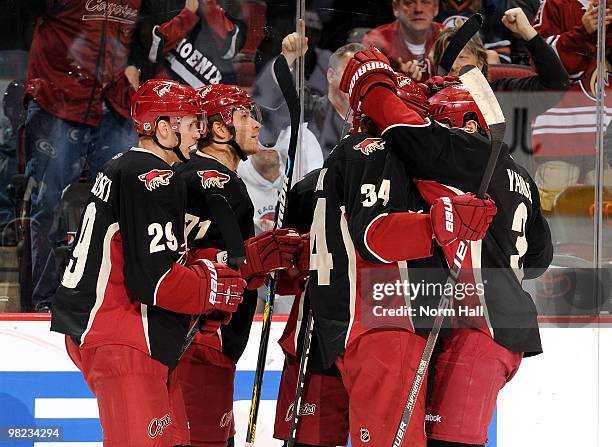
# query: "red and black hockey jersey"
125,283
356,244
517,246
204,175
519,233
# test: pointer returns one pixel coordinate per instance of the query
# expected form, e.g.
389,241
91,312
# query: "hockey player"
324,409
368,220
126,295
206,373
519,237
503,328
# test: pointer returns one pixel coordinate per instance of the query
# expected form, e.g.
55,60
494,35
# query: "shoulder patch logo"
213,178
156,177
370,145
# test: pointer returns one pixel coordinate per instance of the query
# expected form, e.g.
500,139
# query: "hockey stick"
299,389
223,215
463,35
285,82
479,88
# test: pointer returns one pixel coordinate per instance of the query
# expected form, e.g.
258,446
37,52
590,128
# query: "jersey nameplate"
518,184
101,189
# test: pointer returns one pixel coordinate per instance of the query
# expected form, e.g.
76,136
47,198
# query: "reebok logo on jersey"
213,179
433,418
370,145
157,426
155,178
448,213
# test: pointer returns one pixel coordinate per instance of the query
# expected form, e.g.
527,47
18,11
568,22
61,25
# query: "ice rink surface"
561,398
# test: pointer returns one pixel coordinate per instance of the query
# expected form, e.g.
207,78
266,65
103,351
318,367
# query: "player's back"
517,246
360,182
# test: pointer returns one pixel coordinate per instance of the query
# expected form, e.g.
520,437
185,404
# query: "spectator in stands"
550,72
316,60
565,140
325,114
194,46
263,176
408,40
10,125
534,94
519,53
454,13
78,99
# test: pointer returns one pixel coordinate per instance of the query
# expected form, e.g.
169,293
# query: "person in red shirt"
78,100
564,137
408,40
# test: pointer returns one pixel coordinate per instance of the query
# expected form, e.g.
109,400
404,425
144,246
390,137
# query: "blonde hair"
475,46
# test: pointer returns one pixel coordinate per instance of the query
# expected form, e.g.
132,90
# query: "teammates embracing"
392,201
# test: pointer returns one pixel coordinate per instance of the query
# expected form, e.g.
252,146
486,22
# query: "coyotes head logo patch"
155,178
370,145
162,89
213,179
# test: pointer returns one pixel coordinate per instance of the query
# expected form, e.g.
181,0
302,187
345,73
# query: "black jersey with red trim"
457,158
204,175
362,182
517,246
124,283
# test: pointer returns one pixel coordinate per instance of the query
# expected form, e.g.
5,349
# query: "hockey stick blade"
479,87
455,46
223,215
285,82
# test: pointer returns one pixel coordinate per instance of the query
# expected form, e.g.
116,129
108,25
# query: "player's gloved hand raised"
225,289
292,280
463,217
268,251
437,83
366,69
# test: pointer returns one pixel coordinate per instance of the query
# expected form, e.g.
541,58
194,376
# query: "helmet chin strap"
176,149
232,143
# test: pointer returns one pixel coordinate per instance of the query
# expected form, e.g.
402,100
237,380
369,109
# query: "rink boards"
553,400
